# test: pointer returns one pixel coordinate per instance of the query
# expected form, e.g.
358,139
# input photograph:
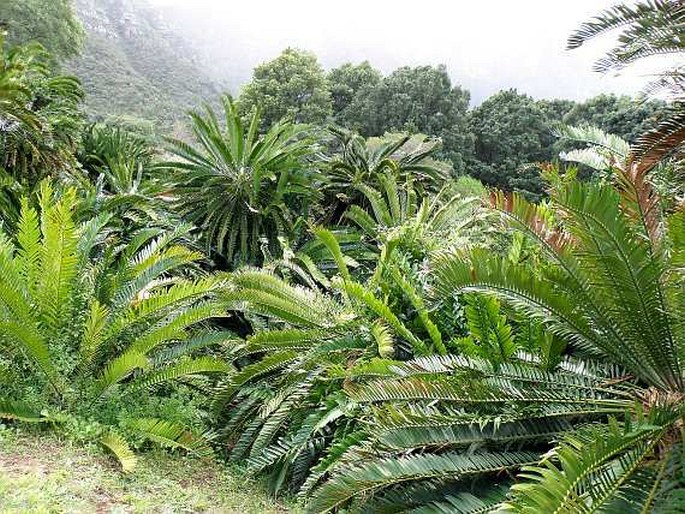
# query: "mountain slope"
135,68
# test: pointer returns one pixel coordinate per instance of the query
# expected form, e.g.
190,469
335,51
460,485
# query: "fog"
486,46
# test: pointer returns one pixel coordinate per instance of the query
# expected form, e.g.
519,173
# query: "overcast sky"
486,45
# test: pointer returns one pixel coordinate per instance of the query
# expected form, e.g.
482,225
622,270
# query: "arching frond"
369,478
170,435
121,450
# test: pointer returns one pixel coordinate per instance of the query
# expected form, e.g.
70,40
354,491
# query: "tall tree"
293,85
619,115
53,24
348,83
420,99
512,134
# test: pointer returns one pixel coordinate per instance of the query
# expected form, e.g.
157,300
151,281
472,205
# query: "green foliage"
613,292
621,116
284,409
648,29
512,136
53,24
444,426
349,85
97,325
415,100
597,466
243,189
490,336
40,115
602,293
291,86
398,215
402,348
359,163
515,134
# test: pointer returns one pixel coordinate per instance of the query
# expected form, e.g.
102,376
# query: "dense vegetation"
343,308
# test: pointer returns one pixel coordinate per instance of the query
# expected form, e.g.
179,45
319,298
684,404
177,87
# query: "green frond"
29,240
330,242
362,219
197,341
263,293
490,336
59,258
269,341
585,471
276,413
117,370
334,458
434,499
268,364
612,148
367,298
169,435
92,332
523,289
183,368
158,303
20,411
417,302
398,430
620,16
121,450
176,325
380,208
384,340
368,478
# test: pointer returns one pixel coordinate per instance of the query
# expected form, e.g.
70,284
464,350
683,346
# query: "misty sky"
486,45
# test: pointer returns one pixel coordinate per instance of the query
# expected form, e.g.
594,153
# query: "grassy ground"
41,473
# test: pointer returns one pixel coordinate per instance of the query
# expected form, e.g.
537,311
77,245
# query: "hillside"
134,67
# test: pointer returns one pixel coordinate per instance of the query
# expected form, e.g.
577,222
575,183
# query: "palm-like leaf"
39,116
100,319
243,189
608,291
651,27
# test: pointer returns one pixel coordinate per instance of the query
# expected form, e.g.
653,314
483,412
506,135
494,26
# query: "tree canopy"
53,24
291,86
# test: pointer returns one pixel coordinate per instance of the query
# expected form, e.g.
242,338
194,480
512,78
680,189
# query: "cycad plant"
419,222
614,291
40,120
124,180
242,188
362,162
449,433
93,329
284,409
39,123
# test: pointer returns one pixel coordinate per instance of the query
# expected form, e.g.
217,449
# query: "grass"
41,473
